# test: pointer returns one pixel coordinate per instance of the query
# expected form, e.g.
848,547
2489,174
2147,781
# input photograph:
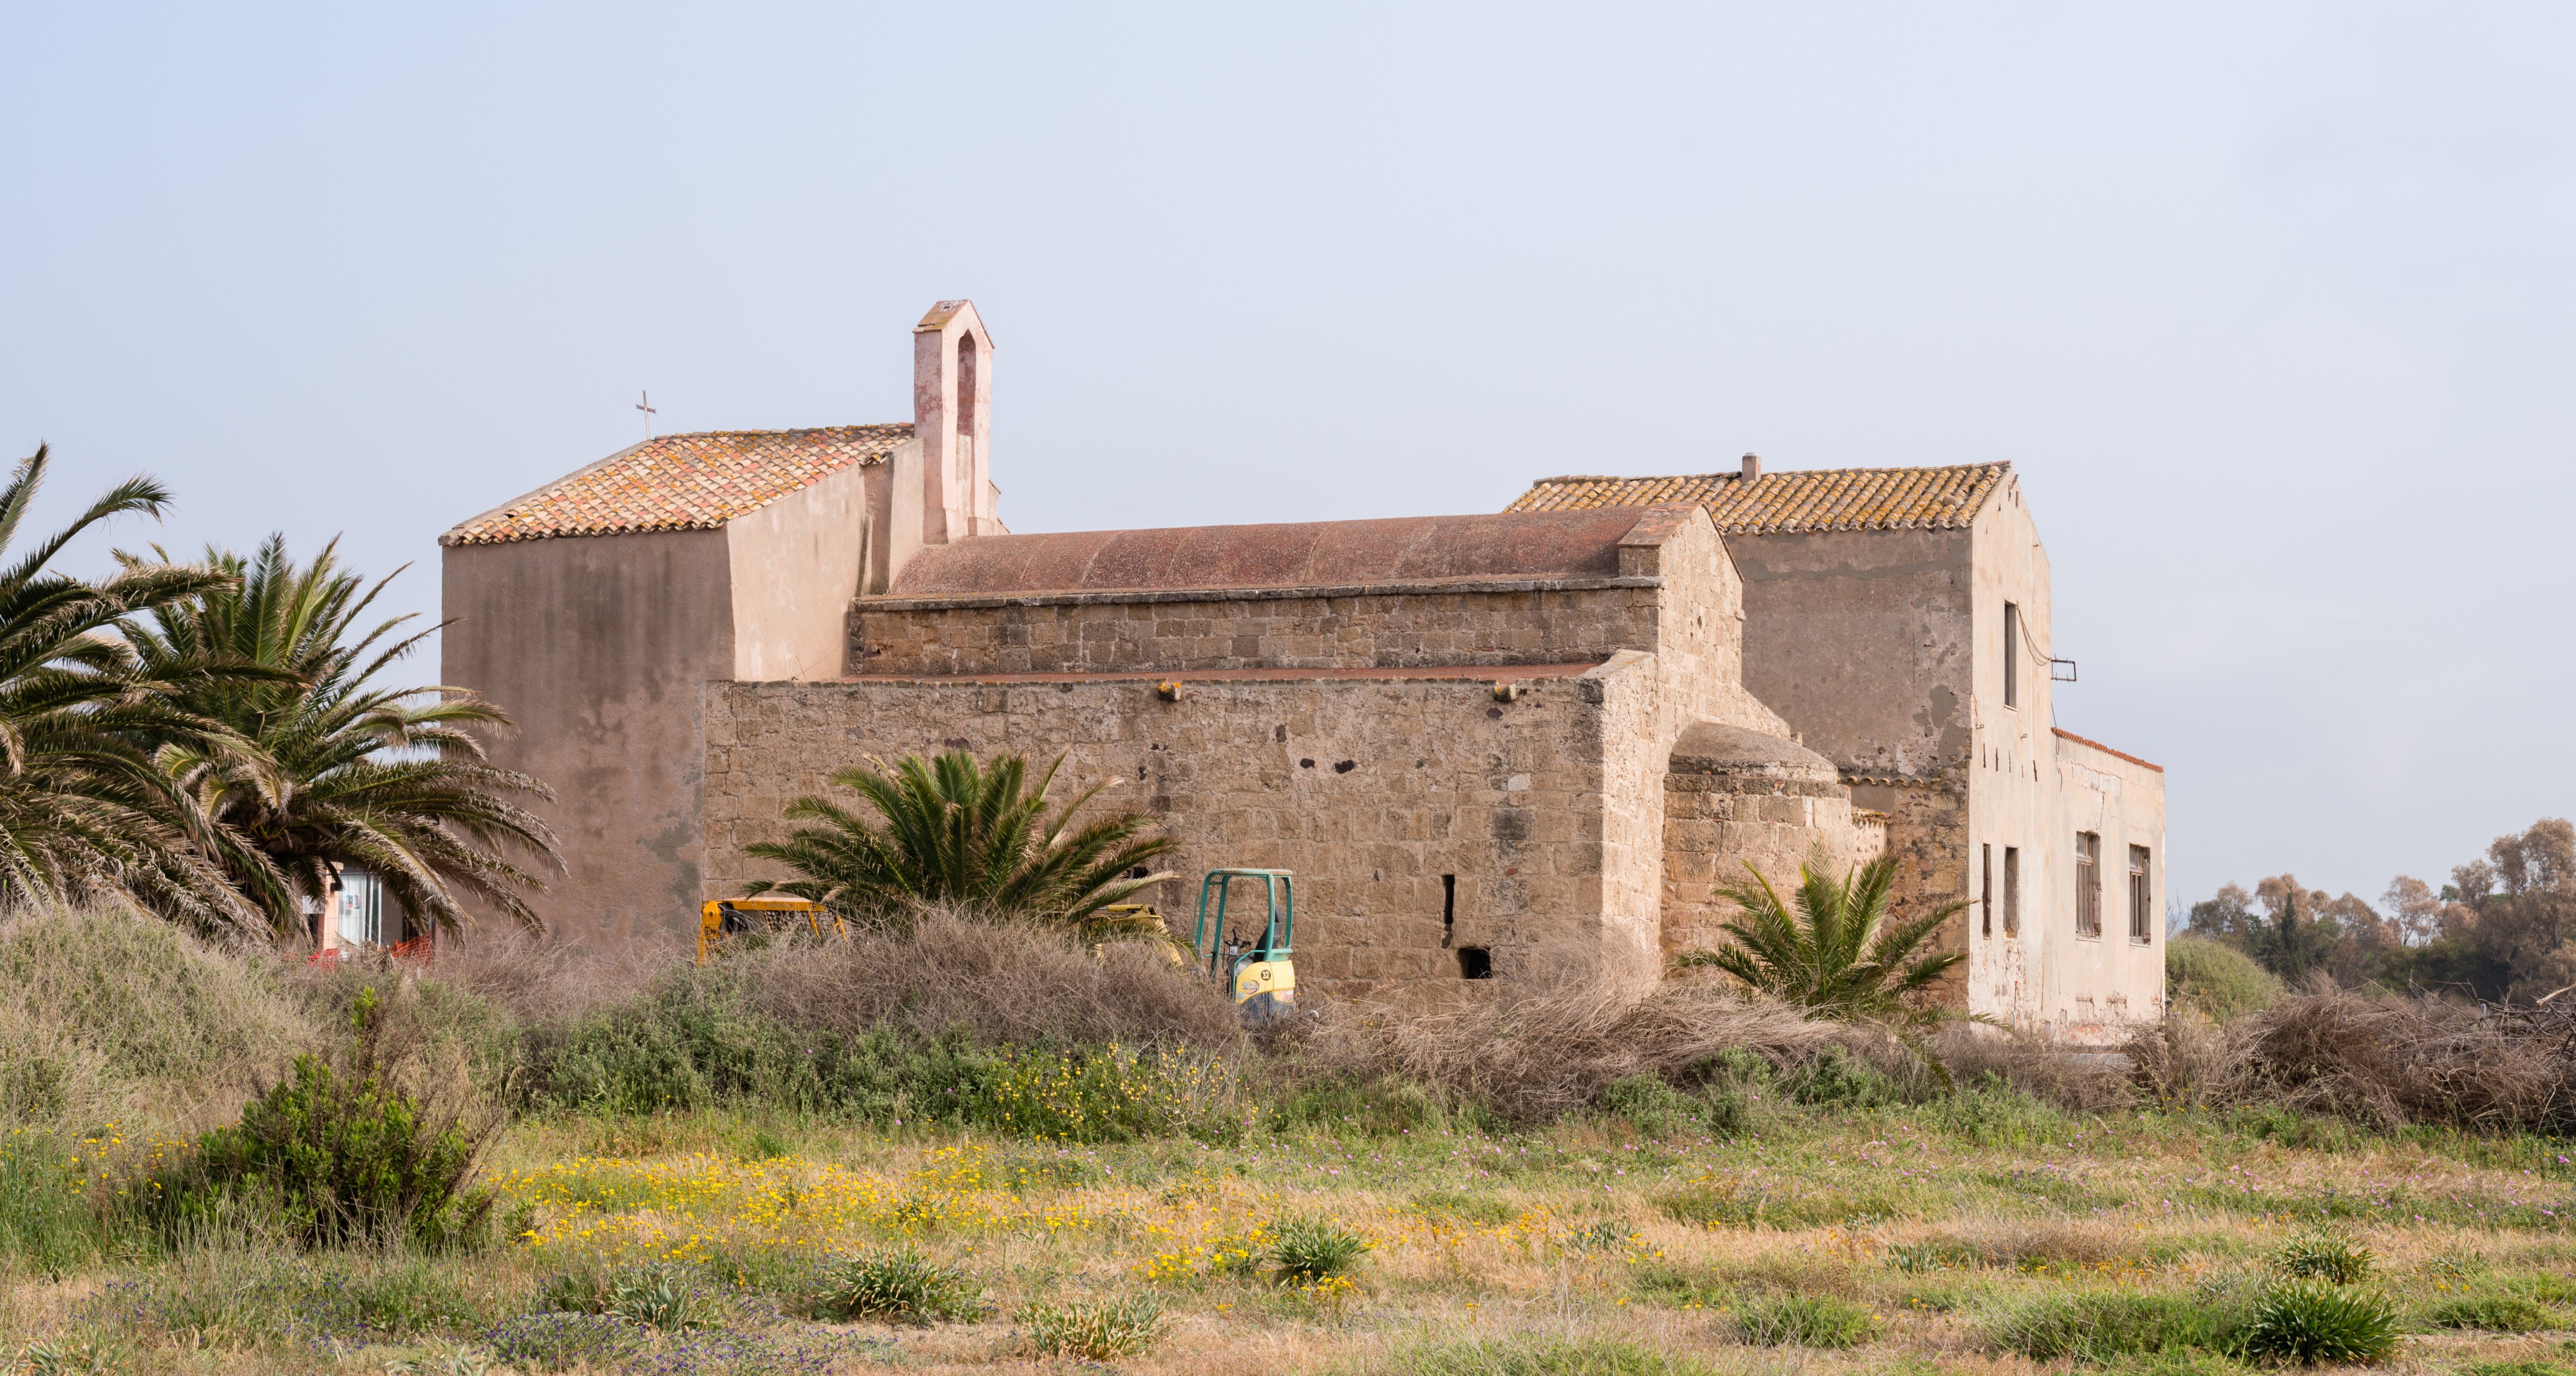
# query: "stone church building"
1524,747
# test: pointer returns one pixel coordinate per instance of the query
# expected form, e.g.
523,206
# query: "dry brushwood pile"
1541,1057
2393,1061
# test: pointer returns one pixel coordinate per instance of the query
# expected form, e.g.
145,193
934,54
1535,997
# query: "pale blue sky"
2270,305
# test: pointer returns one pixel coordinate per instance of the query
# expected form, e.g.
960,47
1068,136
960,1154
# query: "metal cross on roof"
644,404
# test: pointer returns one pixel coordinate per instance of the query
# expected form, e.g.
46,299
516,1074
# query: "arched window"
966,371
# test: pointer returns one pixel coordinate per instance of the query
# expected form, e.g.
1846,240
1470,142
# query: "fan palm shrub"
345,771
86,811
1833,950
951,830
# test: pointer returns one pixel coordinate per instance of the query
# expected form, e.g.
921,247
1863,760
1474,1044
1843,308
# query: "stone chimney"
952,396
1752,468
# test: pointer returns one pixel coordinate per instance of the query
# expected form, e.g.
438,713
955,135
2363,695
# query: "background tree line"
2504,928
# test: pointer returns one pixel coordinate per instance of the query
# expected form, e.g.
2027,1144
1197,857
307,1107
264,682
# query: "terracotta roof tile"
1782,503
681,482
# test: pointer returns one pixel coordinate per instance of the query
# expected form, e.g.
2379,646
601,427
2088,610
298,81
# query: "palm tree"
957,832
1836,953
344,772
85,810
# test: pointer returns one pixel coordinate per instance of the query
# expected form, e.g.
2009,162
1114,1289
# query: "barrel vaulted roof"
1783,503
1416,549
681,482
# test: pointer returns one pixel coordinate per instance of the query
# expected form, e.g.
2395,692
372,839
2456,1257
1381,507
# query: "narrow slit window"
1448,908
2088,884
1986,890
2012,655
2012,890
2141,898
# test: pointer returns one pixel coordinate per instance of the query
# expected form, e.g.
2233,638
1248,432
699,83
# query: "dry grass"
1544,1055
998,981
110,1016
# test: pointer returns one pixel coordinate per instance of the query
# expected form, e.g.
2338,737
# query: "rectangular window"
2088,884
2141,898
2012,890
1986,890
2012,655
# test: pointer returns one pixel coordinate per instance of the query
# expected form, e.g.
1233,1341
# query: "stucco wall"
1862,640
597,648
795,565
1369,789
2011,779
1096,632
894,520
2098,984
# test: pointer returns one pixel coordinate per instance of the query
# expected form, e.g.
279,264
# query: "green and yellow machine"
1258,973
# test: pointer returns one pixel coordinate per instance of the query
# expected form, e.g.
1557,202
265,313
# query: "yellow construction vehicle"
1258,973
769,915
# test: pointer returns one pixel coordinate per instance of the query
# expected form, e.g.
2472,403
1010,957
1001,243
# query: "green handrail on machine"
1260,976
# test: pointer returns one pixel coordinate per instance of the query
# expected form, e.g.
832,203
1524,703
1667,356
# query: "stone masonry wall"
1927,832
1370,790
1714,825
1272,629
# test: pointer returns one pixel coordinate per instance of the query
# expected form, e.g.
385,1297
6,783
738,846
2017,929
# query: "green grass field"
1980,1231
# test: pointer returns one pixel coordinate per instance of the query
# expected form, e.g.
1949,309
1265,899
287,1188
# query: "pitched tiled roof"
681,482
1780,503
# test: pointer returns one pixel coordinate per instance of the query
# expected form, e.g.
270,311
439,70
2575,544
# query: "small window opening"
1475,962
2012,890
1448,908
2141,900
2088,884
2012,655
1986,891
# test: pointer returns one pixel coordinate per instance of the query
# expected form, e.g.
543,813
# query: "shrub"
1803,1321
1650,1105
2491,1313
1837,1077
2099,1325
2216,980
666,1298
1094,1330
2324,1256
897,1286
2312,1322
339,1154
1306,1250
1729,1113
